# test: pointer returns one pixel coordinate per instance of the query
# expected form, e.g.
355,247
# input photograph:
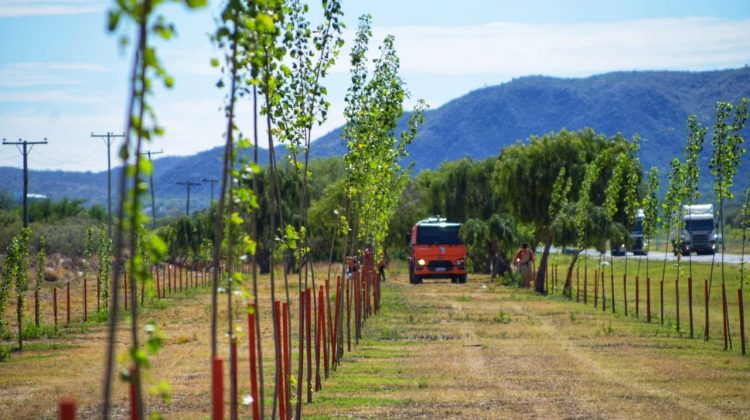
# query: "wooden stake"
252,350
690,304
648,299
741,305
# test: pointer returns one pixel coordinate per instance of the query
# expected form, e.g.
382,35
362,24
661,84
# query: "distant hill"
654,104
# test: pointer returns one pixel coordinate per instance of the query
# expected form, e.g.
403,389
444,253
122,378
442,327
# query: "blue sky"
62,76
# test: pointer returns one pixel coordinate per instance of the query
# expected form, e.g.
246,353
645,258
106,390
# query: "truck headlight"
460,262
421,261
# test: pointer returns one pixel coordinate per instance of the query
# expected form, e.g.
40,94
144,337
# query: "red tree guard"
217,390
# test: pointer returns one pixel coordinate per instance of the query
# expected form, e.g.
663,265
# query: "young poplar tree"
22,280
725,158
141,127
611,196
650,211
557,205
672,207
630,183
375,177
584,208
6,283
104,257
691,167
745,223
41,260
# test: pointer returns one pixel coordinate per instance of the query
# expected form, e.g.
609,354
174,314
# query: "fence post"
648,299
724,315
67,409
690,304
308,333
217,390
705,298
54,303
625,292
85,301
677,301
67,303
253,360
661,302
637,296
741,305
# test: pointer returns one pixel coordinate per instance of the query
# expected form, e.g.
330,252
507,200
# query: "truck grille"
700,239
440,265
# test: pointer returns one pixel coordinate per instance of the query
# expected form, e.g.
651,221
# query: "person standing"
523,260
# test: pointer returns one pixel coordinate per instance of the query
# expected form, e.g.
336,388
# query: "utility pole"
151,187
188,184
213,182
108,138
25,150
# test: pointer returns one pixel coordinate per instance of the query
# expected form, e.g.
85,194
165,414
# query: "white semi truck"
698,233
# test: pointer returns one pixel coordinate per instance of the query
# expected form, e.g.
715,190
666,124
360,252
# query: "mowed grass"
676,291
436,350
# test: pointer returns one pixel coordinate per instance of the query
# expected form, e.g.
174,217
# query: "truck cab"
698,233
636,244
436,251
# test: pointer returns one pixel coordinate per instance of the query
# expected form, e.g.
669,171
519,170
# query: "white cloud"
51,96
29,74
517,49
15,8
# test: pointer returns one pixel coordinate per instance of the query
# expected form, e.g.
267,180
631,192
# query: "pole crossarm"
149,153
213,182
188,185
25,146
108,138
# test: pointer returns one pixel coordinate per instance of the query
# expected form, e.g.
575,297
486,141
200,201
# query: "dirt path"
438,350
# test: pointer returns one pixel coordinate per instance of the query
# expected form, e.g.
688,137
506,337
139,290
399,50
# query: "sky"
63,77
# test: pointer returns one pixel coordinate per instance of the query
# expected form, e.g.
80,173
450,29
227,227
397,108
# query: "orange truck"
436,251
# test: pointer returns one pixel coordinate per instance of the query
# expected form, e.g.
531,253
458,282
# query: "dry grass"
438,350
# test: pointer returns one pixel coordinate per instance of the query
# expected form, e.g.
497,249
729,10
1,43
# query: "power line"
25,150
151,187
188,184
108,138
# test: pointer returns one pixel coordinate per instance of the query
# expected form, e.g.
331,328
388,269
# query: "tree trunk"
541,271
567,290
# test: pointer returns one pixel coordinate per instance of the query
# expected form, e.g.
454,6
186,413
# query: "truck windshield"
701,224
436,234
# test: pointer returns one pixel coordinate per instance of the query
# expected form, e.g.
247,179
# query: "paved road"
728,258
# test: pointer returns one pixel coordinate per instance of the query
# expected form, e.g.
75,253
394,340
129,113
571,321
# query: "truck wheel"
462,279
454,279
417,279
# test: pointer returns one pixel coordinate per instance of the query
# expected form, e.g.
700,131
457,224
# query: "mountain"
654,104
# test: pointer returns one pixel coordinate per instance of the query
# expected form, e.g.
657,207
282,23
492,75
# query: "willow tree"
525,173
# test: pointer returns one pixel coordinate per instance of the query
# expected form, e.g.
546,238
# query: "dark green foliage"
52,211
